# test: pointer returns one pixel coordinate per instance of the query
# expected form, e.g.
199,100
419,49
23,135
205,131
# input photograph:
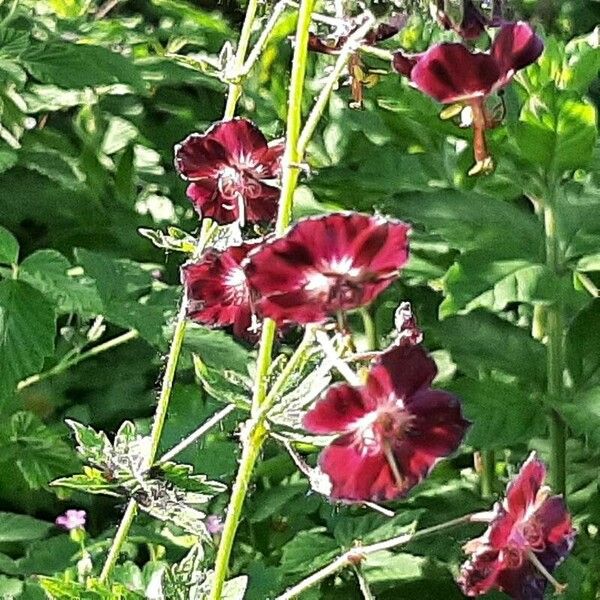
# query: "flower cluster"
529,535
323,265
452,73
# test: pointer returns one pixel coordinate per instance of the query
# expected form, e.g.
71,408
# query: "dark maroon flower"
529,535
327,264
217,290
472,24
451,73
231,169
391,431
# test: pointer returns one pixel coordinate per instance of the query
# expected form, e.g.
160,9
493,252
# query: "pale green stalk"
255,432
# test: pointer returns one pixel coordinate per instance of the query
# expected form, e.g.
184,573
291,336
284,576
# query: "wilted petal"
522,583
450,73
515,47
555,521
478,575
404,63
341,406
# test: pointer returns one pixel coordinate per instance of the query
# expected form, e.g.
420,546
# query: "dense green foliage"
93,98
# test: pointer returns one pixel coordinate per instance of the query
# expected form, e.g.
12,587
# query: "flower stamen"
559,588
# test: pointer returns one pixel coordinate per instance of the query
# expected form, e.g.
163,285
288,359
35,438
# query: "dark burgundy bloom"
529,535
327,264
391,431
217,289
451,73
472,24
231,169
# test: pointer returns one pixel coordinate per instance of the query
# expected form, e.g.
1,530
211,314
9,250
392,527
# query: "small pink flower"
217,289
391,431
529,535
327,264
214,524
71,519
231,169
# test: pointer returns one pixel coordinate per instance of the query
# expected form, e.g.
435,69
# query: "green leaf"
9,247
67,589
92,481
271,501
48,271
225,386
557,133
27,330
308,551
128,296
390,567
482,343
479,280
8,157
38,452
582,414
583,345
22,528
217,349
501,414
470,221
77,66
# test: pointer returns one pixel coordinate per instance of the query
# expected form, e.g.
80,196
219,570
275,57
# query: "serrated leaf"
308,551
501,414
389,567
582,414
22,528
48,271
27,330
76,66
38,452
217,349
67,589
225,386
92,481
583,345
9,247
482,343
477,280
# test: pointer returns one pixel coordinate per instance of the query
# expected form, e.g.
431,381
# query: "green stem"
67,364
488,473
359,554
235,88
555,358
256,431
370,329
155,435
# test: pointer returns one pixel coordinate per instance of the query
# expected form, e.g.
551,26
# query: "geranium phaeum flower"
391,431
217,289
529,535
325,265
231,169
451,73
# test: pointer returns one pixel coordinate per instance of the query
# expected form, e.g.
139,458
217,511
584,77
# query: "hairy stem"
555,358
67,364
256,431
180,324
488,473
235,88
359,554
157,428
370,329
